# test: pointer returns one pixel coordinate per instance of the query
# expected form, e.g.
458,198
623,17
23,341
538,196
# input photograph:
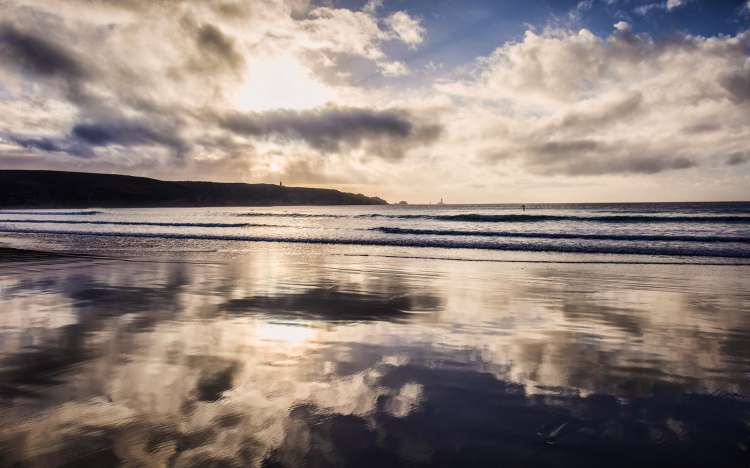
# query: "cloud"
406,28
738,158
388,133
591,157
37,56
572,103
124,133
44,144
578,11
643,10
155,76
672,4
216,47
309,172
343,31
591,115
737,84
84,138
669,5
622,26
372,6
54,145
393,68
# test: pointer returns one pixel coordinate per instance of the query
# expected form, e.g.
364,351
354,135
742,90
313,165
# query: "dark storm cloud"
612,113
216,44
603,165
554,150
590,157
213,49
329,125
126,134
43,144
66,144
230,9
702,127
737,84
738,158
544,153
84,138
37,55
330,129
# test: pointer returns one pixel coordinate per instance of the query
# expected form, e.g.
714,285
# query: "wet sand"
310,357
8,254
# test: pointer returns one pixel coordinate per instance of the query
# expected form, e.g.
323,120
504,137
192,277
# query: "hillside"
57,189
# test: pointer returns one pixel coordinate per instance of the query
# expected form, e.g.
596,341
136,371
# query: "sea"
583,335
692,232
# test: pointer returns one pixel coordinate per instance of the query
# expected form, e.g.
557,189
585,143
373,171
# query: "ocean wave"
682,251
52,213
523,218
134,223
291,215
554,235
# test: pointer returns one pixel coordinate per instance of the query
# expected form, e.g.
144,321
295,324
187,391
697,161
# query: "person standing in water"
523,207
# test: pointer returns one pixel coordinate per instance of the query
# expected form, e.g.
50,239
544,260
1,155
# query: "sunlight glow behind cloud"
280,82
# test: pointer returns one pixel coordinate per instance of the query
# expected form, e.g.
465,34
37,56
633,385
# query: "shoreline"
17,255
427,244
13,254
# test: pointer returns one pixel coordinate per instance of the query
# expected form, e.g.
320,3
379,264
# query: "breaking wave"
132,223
677,250
525,218
554,235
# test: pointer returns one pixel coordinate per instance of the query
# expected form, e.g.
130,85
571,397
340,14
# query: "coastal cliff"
58,189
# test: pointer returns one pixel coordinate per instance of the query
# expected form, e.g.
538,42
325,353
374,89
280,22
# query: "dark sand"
21,255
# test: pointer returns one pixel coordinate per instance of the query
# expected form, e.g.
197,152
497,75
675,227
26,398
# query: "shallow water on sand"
290,355
693,231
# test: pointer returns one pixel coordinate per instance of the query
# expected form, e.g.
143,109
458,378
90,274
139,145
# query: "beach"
375,234
226,353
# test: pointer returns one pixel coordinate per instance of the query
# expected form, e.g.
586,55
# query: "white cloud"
622,26
572,103
406,28
342,31
393,68
671,4
372,6
645,9
582,6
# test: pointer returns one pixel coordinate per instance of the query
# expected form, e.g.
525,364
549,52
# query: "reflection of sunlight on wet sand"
286,333
262,373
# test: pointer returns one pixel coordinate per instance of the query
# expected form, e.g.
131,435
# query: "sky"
472,101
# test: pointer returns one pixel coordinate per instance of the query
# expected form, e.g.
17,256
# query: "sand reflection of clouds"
287,333
207,363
